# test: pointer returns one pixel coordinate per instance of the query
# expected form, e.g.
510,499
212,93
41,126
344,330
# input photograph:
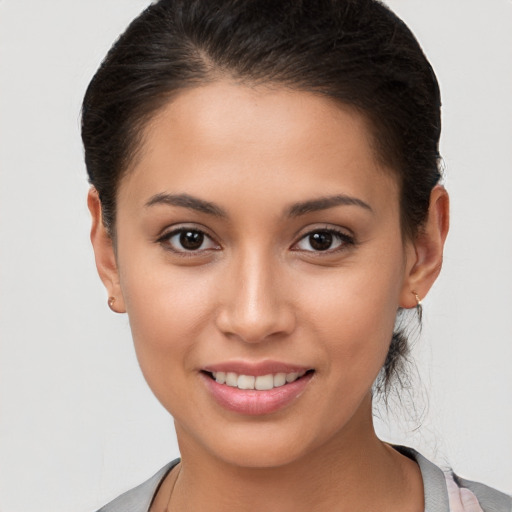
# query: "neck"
354,471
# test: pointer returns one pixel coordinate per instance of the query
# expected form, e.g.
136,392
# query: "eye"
188,240
323,240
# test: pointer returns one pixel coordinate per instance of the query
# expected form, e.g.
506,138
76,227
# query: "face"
259,242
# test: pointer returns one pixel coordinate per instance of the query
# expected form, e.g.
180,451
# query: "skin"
256,290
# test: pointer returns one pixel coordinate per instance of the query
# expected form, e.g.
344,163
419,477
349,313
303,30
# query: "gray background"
77,423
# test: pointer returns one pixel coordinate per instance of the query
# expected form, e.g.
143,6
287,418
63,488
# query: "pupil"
191,240
321,241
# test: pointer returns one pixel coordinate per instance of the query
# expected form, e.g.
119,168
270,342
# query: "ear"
425,253
104,253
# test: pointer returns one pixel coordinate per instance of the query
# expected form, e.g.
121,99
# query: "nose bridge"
255,306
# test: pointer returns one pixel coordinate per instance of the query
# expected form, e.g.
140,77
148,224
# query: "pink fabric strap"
461,499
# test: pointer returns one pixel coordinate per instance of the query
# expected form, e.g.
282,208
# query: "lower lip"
253,402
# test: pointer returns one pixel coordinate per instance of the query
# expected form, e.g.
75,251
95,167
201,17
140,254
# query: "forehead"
258,138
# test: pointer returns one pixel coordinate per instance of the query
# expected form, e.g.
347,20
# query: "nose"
254,306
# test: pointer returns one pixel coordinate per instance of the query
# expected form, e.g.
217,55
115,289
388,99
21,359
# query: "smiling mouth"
260,382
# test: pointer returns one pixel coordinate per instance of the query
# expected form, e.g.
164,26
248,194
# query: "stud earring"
419,305
418,300
111,302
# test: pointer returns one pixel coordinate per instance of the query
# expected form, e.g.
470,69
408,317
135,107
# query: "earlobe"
426,260
104,254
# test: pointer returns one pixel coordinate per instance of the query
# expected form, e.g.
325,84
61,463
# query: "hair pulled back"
356,52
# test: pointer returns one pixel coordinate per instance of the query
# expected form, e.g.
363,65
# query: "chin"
260,455
256,444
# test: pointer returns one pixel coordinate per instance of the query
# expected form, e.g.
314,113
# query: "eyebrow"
186,201
294,210
324,203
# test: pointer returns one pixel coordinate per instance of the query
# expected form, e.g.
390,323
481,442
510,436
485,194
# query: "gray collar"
434,481
139,498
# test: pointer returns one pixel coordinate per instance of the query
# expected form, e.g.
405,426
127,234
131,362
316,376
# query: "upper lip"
255,368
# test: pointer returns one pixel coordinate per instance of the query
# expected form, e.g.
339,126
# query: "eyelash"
344,240
165,241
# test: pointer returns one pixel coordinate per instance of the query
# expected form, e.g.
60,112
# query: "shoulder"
446,492
139,498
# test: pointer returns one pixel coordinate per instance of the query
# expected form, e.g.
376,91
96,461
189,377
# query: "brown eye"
320,241
323,240
186,240
191,240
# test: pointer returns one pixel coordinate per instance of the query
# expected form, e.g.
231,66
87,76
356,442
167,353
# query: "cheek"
167,309
353,314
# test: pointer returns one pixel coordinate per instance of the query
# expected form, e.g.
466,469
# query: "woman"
265,201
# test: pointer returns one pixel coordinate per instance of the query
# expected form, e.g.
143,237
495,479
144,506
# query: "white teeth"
246,382
232,379
290,377
260,383
279,380
264,382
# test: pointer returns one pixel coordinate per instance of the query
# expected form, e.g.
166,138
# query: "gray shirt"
436,486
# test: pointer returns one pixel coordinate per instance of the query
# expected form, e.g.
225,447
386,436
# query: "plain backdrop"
78,424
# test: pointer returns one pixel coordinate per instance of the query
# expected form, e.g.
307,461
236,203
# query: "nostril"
254,325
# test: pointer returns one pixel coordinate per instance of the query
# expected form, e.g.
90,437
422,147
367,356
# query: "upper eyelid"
345,237
182,253
342,231
179,227
172,231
